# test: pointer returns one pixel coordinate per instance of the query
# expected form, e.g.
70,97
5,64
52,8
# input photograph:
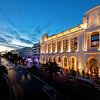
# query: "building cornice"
66,36
92,9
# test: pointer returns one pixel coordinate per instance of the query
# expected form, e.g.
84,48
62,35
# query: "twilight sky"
22,22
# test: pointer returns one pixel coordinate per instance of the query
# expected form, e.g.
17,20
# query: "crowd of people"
54,69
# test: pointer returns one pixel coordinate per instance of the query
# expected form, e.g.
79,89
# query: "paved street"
26,86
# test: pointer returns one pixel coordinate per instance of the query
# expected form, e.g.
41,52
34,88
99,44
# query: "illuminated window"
59,59
53,59
74,43
65,45
54,47
73,61
95,40
59,46
65,62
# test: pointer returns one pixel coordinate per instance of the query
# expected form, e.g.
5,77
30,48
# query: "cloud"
9,37
13,37
21,43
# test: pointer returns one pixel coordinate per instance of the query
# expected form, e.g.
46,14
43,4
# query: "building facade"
36,51
78,47
25,52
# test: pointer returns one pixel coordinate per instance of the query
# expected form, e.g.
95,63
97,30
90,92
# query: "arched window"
53,59
95,40
73,63
59,59
65,62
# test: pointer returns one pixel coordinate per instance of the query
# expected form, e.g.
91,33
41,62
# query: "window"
74,43
59,46
54,47
65,62
95,40
65,45
59,59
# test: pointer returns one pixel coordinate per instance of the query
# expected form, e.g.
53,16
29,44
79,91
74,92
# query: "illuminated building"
36,51
77,47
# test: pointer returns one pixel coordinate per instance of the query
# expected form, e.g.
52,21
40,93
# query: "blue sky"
22,22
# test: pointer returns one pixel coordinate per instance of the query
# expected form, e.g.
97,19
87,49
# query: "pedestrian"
78,73
83,72
73,72
87,74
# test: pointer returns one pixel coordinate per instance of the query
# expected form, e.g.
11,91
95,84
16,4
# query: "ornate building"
78,47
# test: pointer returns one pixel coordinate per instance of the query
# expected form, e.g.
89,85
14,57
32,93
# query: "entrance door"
93,66
65,62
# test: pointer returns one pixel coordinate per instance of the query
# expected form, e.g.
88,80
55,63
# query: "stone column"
85,42
46,48
69,45
89,41
62,46
51,48
78,41
56,47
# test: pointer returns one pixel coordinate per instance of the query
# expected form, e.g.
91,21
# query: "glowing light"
4,48
84,50
99,49
69,50
99,72
28,77
23,78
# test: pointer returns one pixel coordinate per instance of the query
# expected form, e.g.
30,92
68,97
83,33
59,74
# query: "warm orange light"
66,32
99,49
84,50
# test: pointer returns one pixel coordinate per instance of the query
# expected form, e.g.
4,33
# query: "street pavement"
26,86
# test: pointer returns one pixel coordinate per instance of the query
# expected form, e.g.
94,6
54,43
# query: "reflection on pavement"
23,78
28,77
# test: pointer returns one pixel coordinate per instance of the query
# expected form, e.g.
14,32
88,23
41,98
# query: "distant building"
14,51
36,51
78,47
25,52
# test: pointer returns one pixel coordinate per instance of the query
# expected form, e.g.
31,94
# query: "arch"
53,59
93,66
65,62
58,60
73,62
